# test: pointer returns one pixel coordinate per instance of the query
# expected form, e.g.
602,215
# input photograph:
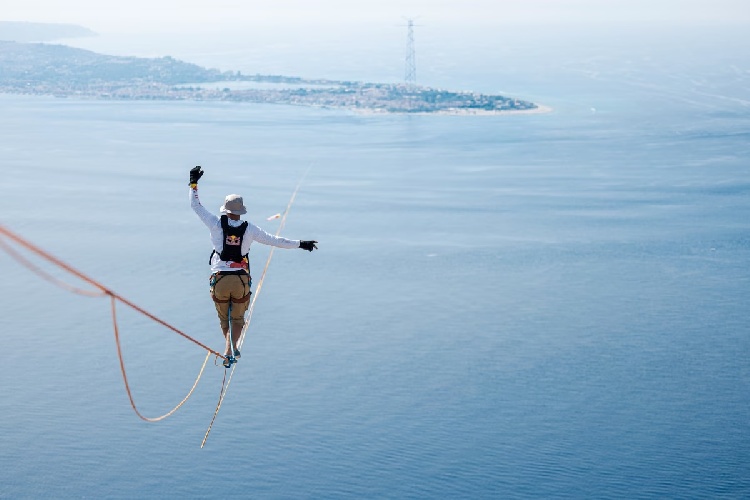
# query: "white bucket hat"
233,205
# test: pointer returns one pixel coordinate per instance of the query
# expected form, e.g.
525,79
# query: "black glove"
308,245
195,174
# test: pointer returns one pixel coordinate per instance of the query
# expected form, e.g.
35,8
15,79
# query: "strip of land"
62,71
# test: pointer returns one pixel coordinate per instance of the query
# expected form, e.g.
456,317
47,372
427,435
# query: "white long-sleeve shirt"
252,233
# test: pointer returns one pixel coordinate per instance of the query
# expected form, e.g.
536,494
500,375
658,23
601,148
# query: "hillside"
32,63
62,71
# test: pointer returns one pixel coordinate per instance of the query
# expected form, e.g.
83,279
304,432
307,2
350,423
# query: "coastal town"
61,71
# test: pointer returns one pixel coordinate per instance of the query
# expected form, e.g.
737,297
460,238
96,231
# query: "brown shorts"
231,295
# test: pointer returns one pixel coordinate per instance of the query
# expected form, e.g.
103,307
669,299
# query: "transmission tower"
410,75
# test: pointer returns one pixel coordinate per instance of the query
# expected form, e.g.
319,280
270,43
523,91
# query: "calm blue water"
536,306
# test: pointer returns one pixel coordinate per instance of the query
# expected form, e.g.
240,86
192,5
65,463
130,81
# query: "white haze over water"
537,306
171,15
366,40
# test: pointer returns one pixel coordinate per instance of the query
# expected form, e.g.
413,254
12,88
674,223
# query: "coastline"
540,109
68,72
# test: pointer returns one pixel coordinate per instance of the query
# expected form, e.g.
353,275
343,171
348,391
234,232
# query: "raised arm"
209,219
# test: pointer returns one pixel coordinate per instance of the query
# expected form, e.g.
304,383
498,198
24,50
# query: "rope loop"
101,291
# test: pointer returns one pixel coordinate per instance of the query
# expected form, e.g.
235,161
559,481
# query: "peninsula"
62,71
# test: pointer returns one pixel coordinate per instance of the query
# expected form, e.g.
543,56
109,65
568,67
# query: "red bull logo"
233,240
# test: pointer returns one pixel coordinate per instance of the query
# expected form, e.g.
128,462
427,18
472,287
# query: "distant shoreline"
540,109
62,71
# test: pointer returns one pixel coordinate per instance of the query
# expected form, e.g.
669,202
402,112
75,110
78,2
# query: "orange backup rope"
102,292
33,248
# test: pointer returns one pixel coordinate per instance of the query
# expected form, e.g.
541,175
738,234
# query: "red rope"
114,298
33,248
44,275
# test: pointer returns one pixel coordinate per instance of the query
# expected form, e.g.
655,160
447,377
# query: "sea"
549,305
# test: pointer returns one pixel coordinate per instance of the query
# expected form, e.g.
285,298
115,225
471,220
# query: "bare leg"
227,345
237,332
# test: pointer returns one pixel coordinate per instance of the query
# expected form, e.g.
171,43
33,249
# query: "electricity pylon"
410,74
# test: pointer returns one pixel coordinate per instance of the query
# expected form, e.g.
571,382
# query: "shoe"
228,361
237,354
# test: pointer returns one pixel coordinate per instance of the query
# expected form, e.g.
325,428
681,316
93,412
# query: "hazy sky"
134,15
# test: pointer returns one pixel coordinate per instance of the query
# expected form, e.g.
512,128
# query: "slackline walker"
234,337
230,279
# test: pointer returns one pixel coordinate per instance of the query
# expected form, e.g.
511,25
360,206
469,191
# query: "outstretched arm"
266,238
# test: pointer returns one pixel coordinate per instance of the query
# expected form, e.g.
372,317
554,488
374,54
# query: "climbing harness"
219,275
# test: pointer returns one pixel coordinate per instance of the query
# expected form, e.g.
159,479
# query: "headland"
62,71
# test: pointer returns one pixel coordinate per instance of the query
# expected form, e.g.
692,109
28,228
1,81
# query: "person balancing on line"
230,279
